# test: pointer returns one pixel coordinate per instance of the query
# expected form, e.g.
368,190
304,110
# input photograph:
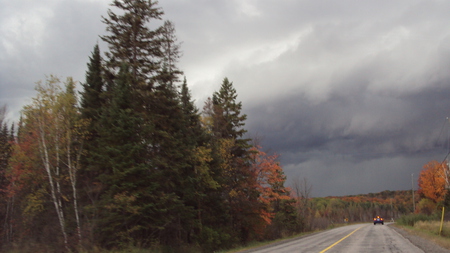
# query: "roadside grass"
430,231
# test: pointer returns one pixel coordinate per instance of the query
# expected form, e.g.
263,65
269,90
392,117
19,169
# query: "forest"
128,160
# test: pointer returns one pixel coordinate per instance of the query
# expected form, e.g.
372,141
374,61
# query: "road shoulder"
422,243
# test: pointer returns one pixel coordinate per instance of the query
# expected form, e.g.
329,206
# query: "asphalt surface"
361,238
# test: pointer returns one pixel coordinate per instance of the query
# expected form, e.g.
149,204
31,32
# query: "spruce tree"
198,152
131,40
231,163
5,153
91,97
121,157
170,158
228,118
170,49
92,101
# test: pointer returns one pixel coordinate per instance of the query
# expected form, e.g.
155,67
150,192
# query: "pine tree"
5,146
228,118
171,158
198,153
91,104
131,41
121,158
91,97
170,50
232,161
5,155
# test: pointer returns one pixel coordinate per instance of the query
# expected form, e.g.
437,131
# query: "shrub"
411,219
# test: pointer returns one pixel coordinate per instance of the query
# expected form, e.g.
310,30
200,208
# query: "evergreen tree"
170,50
5,155
5,146
157,116
91,96
124,177
198,153
228,119
91,104
171,159
5,152
131,40
232,161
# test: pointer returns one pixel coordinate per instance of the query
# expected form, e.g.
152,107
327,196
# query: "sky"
353,95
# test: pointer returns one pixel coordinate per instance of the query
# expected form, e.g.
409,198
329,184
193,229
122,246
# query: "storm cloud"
354,95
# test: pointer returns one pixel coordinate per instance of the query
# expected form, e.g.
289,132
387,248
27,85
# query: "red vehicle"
378,219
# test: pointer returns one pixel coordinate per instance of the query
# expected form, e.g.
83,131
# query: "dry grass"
430,231
434,227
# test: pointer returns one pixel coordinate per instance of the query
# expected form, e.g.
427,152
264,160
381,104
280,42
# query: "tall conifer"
232,161
121,157
131,40
92,101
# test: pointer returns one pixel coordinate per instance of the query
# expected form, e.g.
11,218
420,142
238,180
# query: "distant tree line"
129,161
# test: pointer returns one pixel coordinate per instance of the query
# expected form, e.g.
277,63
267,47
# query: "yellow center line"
334,244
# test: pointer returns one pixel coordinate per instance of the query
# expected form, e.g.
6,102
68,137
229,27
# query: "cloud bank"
354,95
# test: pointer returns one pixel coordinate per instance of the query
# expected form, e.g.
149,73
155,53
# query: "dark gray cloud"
352,94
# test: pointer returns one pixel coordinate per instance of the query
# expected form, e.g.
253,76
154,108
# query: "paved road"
360,238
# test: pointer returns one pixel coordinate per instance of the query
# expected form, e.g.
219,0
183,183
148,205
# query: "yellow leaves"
124,202
207,123
80,128
34,204
233,193
225,146
203,154
203,157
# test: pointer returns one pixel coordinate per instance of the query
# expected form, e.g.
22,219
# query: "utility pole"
392,211
412,187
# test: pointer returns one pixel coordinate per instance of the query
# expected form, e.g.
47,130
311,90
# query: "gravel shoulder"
422,243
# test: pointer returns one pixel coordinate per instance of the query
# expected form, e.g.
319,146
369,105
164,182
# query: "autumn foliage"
270,181
432,181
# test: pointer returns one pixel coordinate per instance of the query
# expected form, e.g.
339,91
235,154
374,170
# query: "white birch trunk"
73,181
46,161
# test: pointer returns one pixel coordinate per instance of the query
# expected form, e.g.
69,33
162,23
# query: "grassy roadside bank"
429,230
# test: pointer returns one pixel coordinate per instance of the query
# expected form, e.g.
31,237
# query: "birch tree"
53,117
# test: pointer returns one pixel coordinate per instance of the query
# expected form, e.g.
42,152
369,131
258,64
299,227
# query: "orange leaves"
432,181
269,182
